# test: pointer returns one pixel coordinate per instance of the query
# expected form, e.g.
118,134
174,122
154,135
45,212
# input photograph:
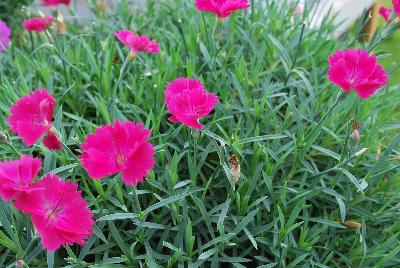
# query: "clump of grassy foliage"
309,195
12,11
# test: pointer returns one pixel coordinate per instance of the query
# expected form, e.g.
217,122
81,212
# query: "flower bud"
356,135
20,264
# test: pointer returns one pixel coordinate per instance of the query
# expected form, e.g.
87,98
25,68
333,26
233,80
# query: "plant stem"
32,41
121,75
205,29
296,55
137,208
339,98
299,157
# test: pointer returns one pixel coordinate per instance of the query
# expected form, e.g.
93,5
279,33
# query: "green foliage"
308,196
11,11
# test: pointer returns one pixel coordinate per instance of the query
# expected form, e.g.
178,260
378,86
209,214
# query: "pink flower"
58,211
356,69
396,6
385,12
188,101
38,24
4,36
137,43
16,176
119,148
31,117
222,8
55,2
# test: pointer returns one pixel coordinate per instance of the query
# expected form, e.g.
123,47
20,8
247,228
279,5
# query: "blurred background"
392,45
345,13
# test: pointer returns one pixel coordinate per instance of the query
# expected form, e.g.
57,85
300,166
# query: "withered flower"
235,168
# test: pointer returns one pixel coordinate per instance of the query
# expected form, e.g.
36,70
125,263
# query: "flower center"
52,213
121,159
45,123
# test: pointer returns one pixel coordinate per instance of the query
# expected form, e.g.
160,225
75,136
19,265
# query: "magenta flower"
137,43
4,36
187,101
356,69
222,8
38,24
396,6
385,12
31,118
58,211
16,176
55,2
119,148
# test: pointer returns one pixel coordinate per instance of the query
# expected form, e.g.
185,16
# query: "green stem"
339,98
14,149
121,75
137,208
195,134
60,51
299,157
296,55
205,29
32,41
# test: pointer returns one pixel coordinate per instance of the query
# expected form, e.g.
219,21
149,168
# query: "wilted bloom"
356,69
58,211
235,168
352,224
137,43
60,23
356,133
385,12
38,24
55,2
4,36
120,148
16,176
187,101
222,8
31,117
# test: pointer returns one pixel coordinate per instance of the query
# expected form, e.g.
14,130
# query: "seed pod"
235,168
